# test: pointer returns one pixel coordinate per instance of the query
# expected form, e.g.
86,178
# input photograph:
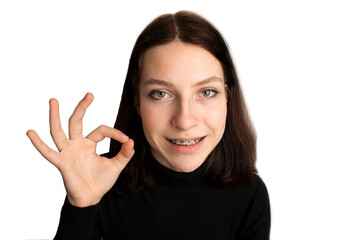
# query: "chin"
185,166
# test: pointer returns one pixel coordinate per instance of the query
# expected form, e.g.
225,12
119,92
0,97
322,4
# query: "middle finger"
75,121
56,131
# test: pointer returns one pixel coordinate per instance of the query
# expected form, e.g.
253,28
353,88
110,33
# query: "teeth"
185,142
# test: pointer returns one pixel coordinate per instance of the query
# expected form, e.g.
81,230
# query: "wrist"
81,203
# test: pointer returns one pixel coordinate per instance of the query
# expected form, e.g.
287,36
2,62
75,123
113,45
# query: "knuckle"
53,132
102,127
75,118
71,120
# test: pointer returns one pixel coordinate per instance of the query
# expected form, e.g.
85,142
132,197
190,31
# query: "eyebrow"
209,80
153,81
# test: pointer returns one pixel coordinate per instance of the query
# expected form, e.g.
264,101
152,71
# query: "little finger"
48,153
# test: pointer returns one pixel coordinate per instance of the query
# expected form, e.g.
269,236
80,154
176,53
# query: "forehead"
179,62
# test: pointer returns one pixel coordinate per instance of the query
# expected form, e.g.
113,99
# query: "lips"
185,142
186,145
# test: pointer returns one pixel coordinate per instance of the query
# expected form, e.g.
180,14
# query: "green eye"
158,94
208,93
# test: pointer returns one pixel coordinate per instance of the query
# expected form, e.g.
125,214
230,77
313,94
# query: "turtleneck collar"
169,178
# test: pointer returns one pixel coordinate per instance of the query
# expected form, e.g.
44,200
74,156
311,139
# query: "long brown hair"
233,159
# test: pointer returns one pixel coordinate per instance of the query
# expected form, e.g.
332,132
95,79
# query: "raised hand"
86,175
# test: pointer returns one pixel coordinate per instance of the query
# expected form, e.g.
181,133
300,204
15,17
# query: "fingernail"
123,136
88,95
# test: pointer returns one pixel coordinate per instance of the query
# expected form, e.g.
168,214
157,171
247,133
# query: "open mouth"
187,142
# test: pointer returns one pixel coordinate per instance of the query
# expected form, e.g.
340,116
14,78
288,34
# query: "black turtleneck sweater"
181,206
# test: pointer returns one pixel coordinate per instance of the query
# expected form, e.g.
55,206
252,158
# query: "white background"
298,63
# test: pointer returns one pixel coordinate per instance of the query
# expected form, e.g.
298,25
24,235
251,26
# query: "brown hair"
233,159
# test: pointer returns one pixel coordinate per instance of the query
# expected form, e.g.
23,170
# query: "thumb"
125,154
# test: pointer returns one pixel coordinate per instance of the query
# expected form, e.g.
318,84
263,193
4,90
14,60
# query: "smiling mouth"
188,142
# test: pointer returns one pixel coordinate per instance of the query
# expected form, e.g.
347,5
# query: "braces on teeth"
185,142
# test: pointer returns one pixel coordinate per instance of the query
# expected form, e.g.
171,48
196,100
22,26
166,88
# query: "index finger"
75,121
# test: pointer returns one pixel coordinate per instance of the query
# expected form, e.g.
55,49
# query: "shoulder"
259,186
260,195
257,214
253,197
245,196
256,188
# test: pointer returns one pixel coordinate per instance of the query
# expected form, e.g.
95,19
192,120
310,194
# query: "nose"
185,116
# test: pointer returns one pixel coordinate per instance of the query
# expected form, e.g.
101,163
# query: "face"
182,104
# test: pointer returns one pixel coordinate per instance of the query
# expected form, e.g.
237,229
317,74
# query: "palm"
87,176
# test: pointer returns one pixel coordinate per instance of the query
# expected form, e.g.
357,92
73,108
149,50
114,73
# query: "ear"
226,92
137,105
138,110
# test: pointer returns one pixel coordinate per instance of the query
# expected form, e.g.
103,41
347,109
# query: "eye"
158,95
208,93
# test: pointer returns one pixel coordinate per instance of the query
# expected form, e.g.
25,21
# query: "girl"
186,167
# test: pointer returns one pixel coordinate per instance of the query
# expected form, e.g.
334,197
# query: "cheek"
216,118
153,119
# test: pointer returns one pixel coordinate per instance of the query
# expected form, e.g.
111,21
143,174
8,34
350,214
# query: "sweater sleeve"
259,220
78,223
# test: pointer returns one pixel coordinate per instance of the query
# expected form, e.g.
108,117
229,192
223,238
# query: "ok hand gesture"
86,175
